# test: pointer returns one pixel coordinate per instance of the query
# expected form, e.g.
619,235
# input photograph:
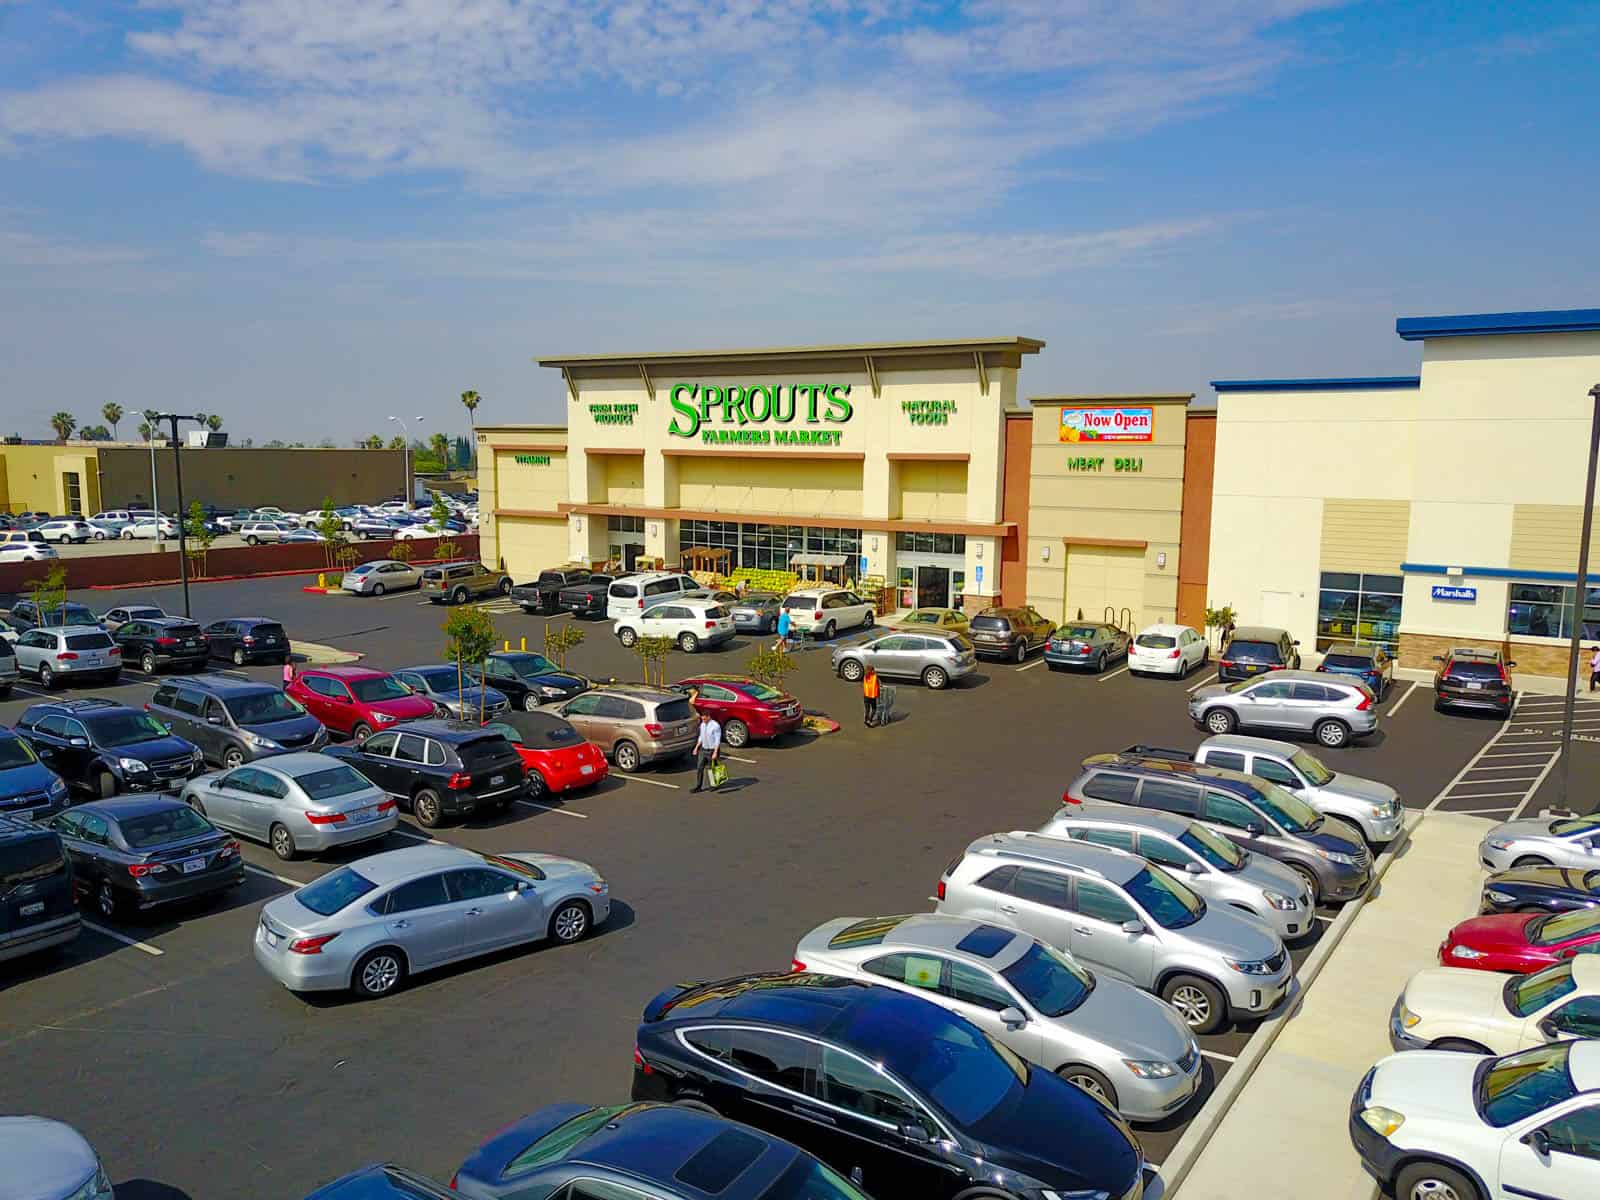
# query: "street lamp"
1582,594
406,488
172,420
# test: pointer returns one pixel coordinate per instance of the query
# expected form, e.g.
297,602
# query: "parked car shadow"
970,682
85,948
149,1189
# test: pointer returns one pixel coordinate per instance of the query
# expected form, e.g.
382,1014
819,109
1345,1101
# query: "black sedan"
528,679
151,643
136,853
886,1088
1540,890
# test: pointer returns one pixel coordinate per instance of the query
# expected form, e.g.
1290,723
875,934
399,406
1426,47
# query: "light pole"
406,490
1570,704
177,473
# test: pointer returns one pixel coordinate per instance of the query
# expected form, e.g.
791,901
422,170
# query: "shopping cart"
885,705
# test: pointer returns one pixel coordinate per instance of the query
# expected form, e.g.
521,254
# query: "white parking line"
736,758
1323,917
551,808
651,782
1406,696
1517,754
1038,662
415,837
1473,761
255,870
1477,812
1219,1056
126,941
1481,795
1534,790
1212,678
1119,671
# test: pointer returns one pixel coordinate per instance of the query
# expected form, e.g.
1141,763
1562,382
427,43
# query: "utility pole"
177,471
409,490
1581,595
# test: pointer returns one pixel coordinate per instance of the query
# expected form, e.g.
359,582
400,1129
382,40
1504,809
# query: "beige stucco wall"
1144,505
523,543
34,478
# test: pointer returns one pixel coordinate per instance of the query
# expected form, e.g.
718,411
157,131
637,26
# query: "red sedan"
557,756
1521,942
747,709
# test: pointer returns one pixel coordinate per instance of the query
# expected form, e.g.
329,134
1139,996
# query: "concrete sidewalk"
1285,1133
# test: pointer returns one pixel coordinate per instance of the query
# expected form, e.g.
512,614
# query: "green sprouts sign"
760,414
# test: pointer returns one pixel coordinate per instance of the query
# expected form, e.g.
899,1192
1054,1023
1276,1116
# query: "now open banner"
1107,424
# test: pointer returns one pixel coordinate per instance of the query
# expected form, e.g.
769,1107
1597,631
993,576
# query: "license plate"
1474,687
586,770
496,780
194,864
31,910
191,642
269,641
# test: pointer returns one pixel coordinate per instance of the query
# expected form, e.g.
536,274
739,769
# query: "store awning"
818,560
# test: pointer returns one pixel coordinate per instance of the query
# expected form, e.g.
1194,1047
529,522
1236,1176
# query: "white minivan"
631,596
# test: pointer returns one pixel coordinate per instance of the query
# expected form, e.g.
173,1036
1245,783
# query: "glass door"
933,587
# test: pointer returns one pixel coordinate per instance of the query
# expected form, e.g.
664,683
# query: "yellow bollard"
524,643
321,580
508,643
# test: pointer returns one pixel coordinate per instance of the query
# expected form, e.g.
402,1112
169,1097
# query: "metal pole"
177,471
154,499
1570,704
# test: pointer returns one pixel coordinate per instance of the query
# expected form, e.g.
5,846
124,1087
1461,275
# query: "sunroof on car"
720,1161
866,933
986,941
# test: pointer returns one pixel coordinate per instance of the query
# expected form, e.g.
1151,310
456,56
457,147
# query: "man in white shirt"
707,748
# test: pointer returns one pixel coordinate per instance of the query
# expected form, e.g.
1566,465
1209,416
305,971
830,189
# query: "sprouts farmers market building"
911,462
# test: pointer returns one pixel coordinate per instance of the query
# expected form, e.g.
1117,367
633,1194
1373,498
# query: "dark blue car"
528,679
1370,664
384,1181
28,788
679,1152
105,748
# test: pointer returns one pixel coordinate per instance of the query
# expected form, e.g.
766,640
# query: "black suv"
234,719
1253,649
241,640
26,615
102,747
36,898
440,768
1472,678
151,643
541,596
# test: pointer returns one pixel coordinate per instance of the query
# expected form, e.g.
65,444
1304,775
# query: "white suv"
24,545
65,529
824,611
692,623
631,596
256,532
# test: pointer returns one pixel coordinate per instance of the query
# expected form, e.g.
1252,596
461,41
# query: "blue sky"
308,214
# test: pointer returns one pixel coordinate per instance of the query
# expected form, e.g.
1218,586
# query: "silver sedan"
369,926
296,803
380,576
1112,1040
1542,842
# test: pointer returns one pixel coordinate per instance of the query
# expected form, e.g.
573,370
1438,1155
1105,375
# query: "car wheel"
538,789
1433,1181
693,1104
851,670
626,755
1220,720
1198,1001
505,590
688,643
829,630
441,712
127,535
627,635
570,923
105,899
1021,652
147,663
427,806
361,731
47,677
459,596
377,973
1090,1081
378,589
736,733
867,624
238,656
281,841
1309,878
1100,664
935,678
99,536
1332,734
1532,860
252,540
105,785
233,758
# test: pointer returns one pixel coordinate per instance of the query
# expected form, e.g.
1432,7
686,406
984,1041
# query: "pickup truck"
1372,807
586,599
540,595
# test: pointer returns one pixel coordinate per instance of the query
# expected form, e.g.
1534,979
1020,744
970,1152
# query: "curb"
1177,1165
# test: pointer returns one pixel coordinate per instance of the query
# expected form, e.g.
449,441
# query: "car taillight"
1069,798
652,729
939,891
640,1064
248,640
453,1181
140,870
1175,653
67,656
231,846
1366,703
386,806
796,966
711,624
1225,662
325,818
817,616
114,650
166,641
1504,678
1083,649
460,779
311,945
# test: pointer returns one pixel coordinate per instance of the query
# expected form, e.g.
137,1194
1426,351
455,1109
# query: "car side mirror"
915,1131
1509,665
524,885
213,719
1295,642
1539,1140
1254,829
1550,1030
341,699
1194,868
78,742
1133,926
1438,658
1013,1017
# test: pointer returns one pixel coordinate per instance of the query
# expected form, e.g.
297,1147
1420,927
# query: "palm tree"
63,423
112,412
373,441
397,442
213,422
440,445
146,429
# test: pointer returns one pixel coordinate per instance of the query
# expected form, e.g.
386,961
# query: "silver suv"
1374,807
1331,708
1111,1040
78,651
1121,915
1205,860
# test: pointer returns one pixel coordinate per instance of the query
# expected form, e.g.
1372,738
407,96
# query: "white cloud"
22,249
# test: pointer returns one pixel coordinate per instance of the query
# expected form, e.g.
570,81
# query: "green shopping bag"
717,774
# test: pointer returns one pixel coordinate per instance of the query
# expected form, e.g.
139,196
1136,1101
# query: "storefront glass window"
768,547
1360,608
625,524
1546,610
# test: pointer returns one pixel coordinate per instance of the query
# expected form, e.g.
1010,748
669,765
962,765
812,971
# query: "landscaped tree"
397,442
49,592
63,423
653,652
331,526
1220,620
112,412
214,422
372,441
146,429
771,666
558,639
440,445
402,551
469,637
440,513
197,537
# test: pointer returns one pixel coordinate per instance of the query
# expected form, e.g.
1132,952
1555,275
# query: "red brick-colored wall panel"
1194,537
1017,478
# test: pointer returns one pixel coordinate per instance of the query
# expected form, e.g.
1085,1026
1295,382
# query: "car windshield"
1087,633
1547,931
14,752
1169,903
88,641
378,687
69,614
1256,652
1213,847
1156,641
1516,1087
262,708
763,692
800,602
335,890
1311,767
1291,812
124,729
1356,662
158,828
1049,980
1527,994
530,665
807,1179
1569,828
332,782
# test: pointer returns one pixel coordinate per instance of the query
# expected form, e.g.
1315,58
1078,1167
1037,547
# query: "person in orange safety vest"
869,696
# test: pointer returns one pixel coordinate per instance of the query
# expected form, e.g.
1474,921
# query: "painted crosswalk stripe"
146,947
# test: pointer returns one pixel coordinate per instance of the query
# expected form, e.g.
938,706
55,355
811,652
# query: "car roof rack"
1140,750
1001,851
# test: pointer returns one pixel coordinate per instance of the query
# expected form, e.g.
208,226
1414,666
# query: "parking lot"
165,1044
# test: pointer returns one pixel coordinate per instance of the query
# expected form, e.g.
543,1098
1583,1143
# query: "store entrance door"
933,587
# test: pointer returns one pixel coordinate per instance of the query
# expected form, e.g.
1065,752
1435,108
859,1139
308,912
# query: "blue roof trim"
1497,573
1371,383
1558,320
